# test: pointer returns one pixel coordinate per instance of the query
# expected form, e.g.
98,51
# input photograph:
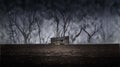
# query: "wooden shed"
60,40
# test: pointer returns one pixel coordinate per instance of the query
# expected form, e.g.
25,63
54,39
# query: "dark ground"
60,56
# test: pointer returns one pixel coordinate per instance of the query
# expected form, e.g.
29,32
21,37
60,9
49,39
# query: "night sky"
36,21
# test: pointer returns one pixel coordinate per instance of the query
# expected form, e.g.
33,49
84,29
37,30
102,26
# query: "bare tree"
10,28
39,23
8,10
66,22
107,35
74,36
12,32
56,17
26,25
95,25
62,15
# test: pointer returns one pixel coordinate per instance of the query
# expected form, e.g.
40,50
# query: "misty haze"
37,21
60,33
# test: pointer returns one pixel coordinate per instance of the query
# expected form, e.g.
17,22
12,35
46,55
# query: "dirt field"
69,55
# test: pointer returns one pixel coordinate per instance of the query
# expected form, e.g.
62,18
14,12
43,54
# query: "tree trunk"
39,36
25,40
64,27
57,30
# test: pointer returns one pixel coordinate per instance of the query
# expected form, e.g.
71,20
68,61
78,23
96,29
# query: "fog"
37,21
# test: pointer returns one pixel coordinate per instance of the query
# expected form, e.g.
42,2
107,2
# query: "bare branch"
77,35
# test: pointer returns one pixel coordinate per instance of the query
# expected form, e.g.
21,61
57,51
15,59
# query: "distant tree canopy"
36,21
